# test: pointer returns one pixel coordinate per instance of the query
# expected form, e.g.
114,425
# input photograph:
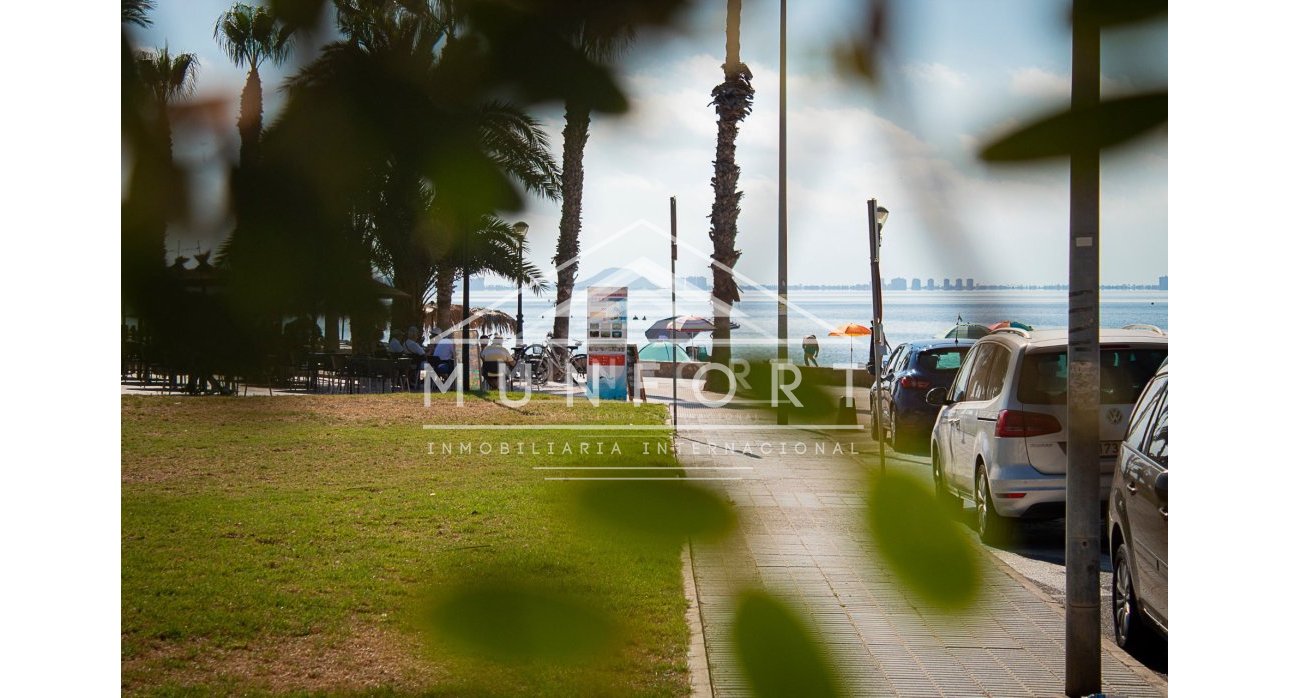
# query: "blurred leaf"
659,510
511,623
855,57
1111,122
537,54
1110,13
926,550
860,55
299,13
778,653
817,393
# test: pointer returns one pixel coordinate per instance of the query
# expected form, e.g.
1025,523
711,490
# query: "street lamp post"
781,350
521,228
1083,501
877,217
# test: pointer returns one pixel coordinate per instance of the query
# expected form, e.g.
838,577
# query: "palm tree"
517,146
251,36
494,246
733,101
163,78
166,78
419,235
597,47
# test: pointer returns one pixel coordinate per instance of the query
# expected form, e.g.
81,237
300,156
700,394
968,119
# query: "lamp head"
880,214
521,227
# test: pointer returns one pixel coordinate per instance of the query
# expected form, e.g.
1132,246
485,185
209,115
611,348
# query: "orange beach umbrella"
851,330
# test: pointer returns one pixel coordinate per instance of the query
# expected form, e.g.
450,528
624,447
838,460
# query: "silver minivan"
1138,521
999,440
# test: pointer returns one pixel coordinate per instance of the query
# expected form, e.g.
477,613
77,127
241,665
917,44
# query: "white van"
999,440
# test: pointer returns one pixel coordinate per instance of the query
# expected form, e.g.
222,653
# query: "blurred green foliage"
779,653
1112,13
512,620
655,511
928,551
1109,123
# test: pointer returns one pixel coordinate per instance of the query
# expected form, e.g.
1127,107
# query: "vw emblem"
1114,416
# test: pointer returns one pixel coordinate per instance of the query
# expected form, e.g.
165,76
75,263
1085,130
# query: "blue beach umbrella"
663,351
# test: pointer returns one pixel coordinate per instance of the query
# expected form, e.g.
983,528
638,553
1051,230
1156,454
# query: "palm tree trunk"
410,311
733,101
444,278
144,213
249,120
577,122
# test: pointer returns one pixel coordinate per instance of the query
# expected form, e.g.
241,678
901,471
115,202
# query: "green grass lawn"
290,544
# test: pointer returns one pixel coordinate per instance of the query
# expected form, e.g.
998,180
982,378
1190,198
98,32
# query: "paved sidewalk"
799,537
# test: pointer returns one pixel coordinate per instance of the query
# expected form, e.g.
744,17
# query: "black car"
1138,516
913,369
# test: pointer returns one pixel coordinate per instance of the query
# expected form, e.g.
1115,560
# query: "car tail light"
912,383
1016,423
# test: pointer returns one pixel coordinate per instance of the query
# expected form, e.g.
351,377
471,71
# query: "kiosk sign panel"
607,342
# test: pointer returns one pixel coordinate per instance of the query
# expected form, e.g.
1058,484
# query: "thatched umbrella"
486,320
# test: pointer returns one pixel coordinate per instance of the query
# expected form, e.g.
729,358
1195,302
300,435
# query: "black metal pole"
465,321
1083,496
519,307
676,368
876,339
782,348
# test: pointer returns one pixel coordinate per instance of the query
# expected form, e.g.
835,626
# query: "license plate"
1110,449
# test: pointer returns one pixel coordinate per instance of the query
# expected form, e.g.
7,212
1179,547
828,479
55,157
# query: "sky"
957,73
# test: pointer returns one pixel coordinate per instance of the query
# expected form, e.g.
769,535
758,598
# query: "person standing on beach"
810,350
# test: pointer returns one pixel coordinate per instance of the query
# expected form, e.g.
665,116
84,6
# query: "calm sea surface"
907,314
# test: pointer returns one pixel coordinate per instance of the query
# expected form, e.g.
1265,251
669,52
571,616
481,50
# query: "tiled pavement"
799,538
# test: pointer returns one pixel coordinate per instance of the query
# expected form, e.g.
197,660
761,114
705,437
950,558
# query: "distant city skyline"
895,283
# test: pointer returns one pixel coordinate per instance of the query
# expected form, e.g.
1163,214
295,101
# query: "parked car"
1138,516
999,440
913,369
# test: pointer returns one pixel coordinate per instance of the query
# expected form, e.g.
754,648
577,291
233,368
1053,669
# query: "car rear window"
1125,372
945,360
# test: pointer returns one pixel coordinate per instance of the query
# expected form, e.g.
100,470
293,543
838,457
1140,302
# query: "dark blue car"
912,370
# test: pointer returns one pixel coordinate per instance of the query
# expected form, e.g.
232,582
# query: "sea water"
907,315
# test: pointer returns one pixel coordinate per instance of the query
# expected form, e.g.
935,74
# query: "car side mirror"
1161,487
937,396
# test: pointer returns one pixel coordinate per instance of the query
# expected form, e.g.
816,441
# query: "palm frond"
136,12
167,76
516,143
251,35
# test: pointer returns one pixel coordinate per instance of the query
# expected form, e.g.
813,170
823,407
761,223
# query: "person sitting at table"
494,357
412,345
395,346
444,355
412,348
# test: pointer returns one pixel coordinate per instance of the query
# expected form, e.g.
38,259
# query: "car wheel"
947,499
989,525
1125,617
900,440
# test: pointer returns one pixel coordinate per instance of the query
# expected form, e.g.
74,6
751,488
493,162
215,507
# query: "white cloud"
935,75
1037,82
